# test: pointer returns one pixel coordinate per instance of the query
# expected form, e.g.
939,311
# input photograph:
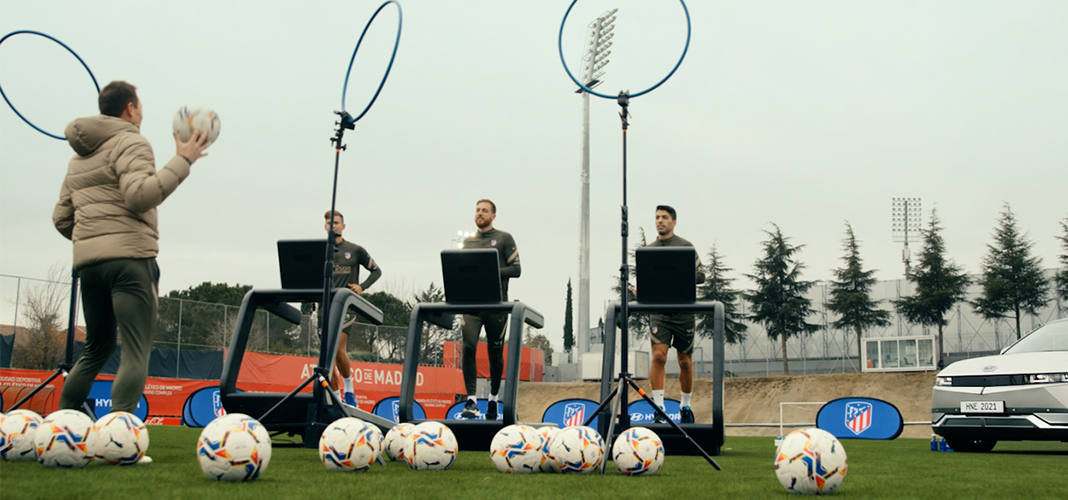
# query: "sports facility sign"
642,412
570,412
860,418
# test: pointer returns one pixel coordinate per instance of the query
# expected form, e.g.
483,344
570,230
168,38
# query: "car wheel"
971,445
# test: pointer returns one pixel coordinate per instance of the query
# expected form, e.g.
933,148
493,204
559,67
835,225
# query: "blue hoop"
8,101
344,89
560,47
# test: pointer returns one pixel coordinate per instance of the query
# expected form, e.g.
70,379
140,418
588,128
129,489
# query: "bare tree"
43,307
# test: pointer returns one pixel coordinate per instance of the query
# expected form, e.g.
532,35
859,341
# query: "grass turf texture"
903,468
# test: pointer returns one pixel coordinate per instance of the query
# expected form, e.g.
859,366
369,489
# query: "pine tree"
718,287
851,293
1012,278
940,284
569,335
779,301
1062,274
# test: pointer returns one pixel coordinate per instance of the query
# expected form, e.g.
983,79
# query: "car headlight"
1047,378
943,381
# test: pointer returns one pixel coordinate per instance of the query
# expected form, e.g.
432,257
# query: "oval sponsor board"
483,404
641,412
389,409
203,406
860,418
101,392
571,412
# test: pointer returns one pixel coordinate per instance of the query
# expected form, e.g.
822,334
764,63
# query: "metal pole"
179,361
582,330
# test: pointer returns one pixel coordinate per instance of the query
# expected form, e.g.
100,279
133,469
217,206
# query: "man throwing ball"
107,208
508,259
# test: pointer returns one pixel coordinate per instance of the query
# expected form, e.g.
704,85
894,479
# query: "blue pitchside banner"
571,412
389,409
202,407
642,412
483,405
101,392
860,418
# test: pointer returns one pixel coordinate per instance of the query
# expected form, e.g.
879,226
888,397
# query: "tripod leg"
606,445
673,424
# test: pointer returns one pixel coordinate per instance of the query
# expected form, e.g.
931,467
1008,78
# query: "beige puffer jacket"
107,205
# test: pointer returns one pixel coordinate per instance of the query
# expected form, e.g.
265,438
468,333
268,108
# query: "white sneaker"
145,460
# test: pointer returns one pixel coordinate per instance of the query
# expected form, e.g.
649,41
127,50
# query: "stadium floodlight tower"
598,41
906,217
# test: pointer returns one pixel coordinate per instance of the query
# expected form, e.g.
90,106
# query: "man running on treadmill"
348,257
672,329
508,259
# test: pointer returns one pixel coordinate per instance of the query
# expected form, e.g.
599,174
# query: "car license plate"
982,407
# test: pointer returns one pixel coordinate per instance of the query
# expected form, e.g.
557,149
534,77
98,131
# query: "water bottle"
934,442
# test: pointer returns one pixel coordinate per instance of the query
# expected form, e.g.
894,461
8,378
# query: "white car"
1019,395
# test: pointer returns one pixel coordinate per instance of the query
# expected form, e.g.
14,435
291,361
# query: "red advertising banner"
531,359
436,387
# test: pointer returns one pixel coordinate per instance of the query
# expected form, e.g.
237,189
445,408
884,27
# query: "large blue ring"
8,101
344,89
560,47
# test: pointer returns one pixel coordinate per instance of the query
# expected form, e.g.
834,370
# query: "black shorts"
675,330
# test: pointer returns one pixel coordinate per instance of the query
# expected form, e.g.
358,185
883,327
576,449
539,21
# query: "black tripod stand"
317,420
68,363
620,411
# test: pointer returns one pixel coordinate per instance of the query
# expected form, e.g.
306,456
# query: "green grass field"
903,468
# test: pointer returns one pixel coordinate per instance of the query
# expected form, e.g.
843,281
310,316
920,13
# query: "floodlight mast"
906,217
598,41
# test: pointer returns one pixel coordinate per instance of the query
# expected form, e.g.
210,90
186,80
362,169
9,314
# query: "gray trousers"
120,301
471,327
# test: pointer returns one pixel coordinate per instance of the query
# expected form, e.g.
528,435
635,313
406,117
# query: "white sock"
472,398
493,397
685,399
348,384
658,398
339,396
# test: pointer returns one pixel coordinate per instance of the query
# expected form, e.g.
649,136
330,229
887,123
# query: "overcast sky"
802,114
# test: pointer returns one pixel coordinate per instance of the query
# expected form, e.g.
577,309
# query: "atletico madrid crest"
858,416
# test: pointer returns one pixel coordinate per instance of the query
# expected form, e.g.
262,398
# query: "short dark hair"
326,216
493,206
115,96
668,210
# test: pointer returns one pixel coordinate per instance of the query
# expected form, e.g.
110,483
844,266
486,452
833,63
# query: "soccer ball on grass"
17,430
430,446
394,440
577,449
118,438
516,449
234,447
638,451
810,461
348,445
62,439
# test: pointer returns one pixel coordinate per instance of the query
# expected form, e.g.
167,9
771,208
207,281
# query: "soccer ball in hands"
348,445
810,461
118,438
638,451
16,435
430,446
394,440
577,449
234,447
61,439
516,449
195,117
548,464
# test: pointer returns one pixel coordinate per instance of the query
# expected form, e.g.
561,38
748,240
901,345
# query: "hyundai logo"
988,369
